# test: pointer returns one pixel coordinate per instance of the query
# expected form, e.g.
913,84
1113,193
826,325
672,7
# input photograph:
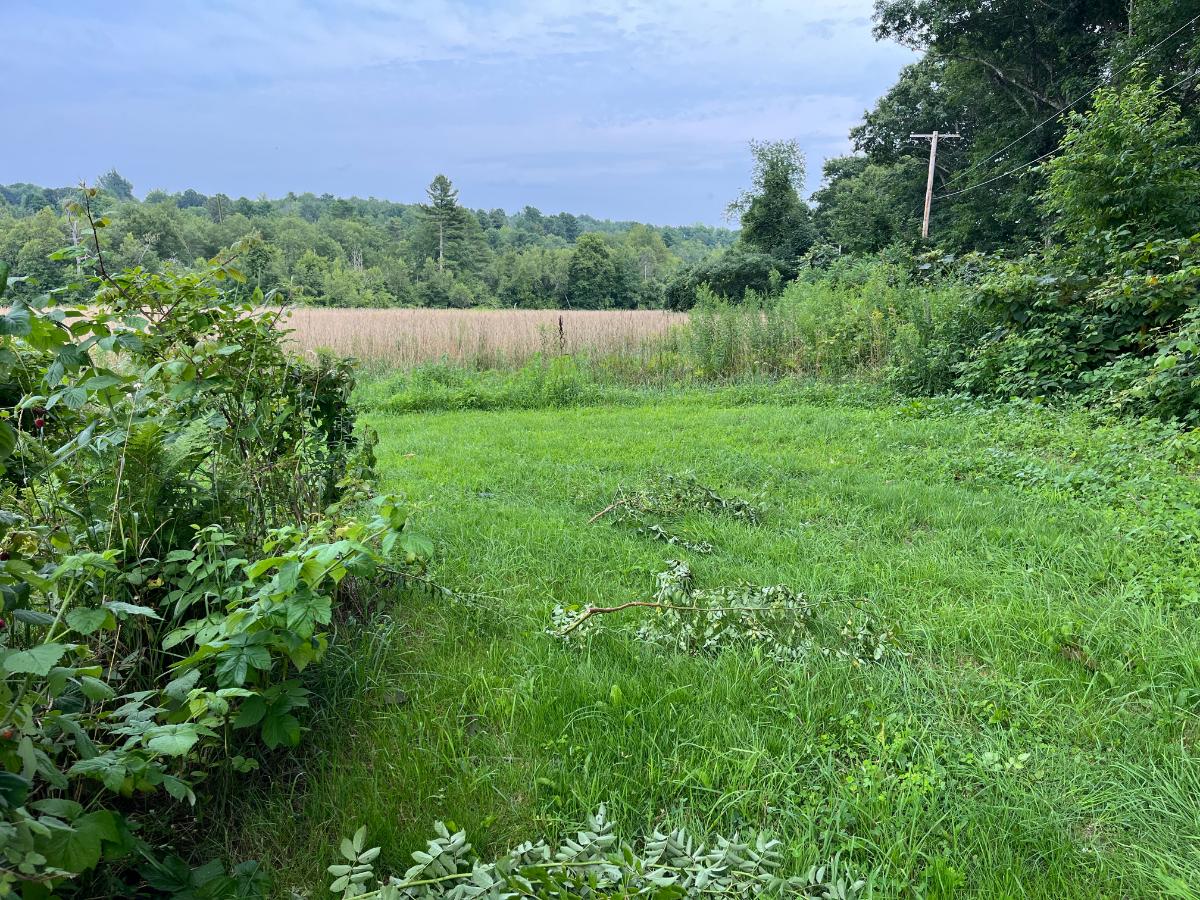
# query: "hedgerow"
182,506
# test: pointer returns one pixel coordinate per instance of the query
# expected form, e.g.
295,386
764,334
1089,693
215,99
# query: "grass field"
1033,733
402,338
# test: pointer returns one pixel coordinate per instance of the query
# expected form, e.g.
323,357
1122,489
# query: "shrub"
730,276
1109,311
179,513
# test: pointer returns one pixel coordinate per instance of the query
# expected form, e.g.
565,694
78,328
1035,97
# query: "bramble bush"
182,505
1108,312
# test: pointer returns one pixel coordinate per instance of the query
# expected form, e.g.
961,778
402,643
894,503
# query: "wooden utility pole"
933,142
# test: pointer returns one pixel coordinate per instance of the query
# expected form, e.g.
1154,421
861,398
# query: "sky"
613,108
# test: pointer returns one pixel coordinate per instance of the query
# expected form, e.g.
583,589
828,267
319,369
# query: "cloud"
600,103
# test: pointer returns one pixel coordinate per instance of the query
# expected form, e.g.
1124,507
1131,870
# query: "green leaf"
8,440
78,849
106,767
251,713
178,688
59,807
417,545
95,689
122,609
86,620
281,731
172,740
236,659
33,617
178,789
35,661
256,569
13,788
304,613
16,322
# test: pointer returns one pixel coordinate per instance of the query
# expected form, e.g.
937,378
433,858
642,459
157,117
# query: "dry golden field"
400,338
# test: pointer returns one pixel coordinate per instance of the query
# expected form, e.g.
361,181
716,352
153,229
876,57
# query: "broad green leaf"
122,609
16,322
250,713
305,613
178,789
13,788
417,545
33,617
58,807
95,689
178,688
86,620
281,731
256,569
78,849
35,661
106,767
8,440
235,661
172,740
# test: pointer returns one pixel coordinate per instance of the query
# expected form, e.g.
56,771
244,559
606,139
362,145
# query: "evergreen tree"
443,215
112,182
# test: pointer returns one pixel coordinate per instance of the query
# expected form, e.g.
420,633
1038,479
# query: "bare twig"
652,604
606,510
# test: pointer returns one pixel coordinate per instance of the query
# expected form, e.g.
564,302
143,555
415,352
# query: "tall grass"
482,339
872,321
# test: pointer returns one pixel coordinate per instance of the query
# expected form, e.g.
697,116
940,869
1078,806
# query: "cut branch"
606,511
604,610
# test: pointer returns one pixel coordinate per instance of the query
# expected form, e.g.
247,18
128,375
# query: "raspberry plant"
181,507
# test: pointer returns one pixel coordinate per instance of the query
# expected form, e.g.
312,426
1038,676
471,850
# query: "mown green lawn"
1033,734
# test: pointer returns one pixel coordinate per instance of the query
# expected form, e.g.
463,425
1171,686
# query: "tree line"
335,251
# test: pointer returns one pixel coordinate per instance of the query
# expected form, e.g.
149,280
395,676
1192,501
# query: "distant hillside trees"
347,251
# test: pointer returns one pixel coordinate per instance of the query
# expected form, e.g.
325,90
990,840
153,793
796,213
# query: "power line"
1011,171
1178,83
1101,84
1032,162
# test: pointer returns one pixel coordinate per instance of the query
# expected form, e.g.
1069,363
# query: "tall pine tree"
443,216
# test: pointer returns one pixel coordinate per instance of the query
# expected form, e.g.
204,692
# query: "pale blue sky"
618,109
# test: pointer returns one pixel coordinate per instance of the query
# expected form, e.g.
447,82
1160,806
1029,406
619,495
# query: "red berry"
39,423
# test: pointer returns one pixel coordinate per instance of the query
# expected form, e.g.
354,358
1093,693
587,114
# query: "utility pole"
933,142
